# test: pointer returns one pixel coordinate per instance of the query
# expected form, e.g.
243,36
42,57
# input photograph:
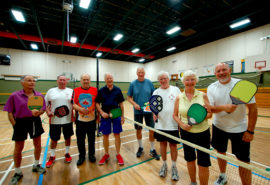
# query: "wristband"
250,132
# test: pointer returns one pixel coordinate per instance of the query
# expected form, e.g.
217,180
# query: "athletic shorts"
109,125
148,118
25,126
160,137
55,131
240,148
202,139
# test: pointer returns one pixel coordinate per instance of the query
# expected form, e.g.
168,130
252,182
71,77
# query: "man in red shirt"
84,104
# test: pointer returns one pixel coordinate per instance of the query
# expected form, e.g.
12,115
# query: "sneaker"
92,158
39,169
15,179
175,175
120,159
80,161
50,161
104,159
163,170
154,154
140,151
221,181
99,134
68,158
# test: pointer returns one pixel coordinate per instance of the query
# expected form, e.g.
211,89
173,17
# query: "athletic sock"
52,152
36,162
174,163
222,175
152,144
18,170
67,149
140,143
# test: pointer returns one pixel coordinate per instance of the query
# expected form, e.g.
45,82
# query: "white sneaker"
221,181
175,175
163,170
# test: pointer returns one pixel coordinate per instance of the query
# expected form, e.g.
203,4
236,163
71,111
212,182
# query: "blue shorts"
240,148
109,125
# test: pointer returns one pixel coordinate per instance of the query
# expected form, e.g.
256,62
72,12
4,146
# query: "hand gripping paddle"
242,92
115,113
156,104
196,114
35,102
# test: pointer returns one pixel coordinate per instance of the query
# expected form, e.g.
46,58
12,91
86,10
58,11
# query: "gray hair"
24,76
60,76
160,73
107,73
140,67
189,73
85,74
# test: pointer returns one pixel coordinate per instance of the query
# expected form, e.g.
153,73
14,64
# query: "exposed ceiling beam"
37,23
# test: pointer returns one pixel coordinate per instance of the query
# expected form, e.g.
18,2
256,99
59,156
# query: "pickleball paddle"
156,104
242,92
61,111
35,102
115,113
196,114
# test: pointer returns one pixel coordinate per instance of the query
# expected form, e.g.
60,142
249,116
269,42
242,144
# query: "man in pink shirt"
24,122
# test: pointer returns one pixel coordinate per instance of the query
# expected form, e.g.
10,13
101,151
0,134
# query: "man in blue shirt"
110,97
139,92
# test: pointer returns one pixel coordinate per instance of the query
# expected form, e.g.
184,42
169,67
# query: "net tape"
211,152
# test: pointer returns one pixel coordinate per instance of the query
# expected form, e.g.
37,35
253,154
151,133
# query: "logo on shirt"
171,97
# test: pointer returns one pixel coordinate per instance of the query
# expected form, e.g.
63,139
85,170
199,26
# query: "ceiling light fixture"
135,50
173,30
73,39
141,60
171,49
118,37
34,46
240,23
99,54
18,15
84,3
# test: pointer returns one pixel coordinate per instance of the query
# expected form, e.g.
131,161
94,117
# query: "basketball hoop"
259,65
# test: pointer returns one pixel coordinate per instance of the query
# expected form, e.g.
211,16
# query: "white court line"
6,174
30,165
8,160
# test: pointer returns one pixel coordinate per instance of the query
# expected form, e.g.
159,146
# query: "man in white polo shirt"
59,110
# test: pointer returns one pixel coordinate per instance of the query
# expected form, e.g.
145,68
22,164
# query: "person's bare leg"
203,175
17,154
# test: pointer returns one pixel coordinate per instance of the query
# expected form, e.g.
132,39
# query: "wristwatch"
250,132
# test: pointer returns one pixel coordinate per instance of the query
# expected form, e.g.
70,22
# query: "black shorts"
160,137
202,139
240,148
55,131
148,118
24,126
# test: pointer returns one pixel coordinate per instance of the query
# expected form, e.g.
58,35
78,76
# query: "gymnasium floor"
144,170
